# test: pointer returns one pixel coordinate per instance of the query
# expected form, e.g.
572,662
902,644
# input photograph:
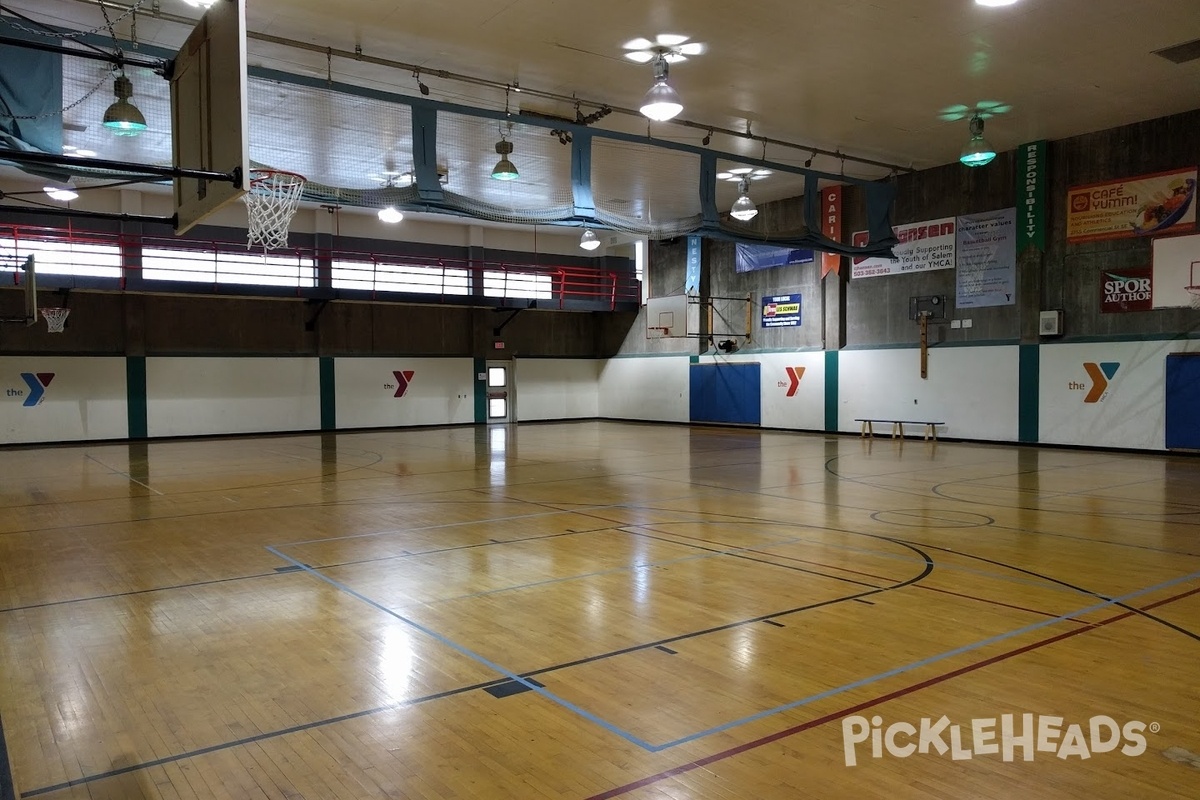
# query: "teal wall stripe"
831,391
480,391
1028,392
328,394
135,394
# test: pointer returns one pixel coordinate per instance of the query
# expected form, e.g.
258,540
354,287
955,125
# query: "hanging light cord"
108,25
59,112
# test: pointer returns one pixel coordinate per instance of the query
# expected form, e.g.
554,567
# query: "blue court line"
923,662
529,683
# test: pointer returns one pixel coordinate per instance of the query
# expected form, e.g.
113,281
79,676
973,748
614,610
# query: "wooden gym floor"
595,610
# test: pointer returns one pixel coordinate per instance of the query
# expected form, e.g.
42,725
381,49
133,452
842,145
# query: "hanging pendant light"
123,117
977,152
743,208
391,215
662,102
589,240
505,170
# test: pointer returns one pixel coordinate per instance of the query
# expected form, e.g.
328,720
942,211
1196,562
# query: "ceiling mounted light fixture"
123,117
589,240
995,3
200,3
662,102
505,170
64,192
743,209
977,152
391,215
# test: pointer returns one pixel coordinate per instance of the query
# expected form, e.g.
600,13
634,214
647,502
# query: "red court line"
813,723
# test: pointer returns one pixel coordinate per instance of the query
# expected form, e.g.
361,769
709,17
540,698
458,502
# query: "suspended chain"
107,26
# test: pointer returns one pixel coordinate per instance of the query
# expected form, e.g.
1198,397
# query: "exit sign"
499,345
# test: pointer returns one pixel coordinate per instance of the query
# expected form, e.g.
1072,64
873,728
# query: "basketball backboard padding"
209,112
30,281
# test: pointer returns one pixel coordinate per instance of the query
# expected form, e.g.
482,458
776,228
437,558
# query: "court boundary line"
770,738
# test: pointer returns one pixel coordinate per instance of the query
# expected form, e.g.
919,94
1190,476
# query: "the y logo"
403,379
794,375
37,383
1100,374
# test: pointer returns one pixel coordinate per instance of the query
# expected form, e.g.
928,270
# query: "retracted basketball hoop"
56,318
271,201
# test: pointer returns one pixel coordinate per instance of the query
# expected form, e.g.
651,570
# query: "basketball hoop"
1195,291
56,318
271,202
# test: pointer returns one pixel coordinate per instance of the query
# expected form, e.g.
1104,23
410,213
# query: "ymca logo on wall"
1100,375
403,379
36,393
793,382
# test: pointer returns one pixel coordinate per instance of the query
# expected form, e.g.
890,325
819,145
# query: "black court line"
667,650
773,622
860,600
192,585
8,789
252,739
659,645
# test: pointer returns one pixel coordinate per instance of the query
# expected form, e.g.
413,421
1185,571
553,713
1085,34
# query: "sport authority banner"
1125,290
987,259
923,246
1149,204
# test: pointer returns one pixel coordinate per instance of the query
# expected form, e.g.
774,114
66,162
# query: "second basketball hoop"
271,201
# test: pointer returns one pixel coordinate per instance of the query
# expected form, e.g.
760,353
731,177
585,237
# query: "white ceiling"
867,77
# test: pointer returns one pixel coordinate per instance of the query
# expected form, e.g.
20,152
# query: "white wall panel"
85,399
974,390
1131,412
440,392
649,388
197,396
557,388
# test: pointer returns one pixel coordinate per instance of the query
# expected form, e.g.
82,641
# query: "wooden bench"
868,427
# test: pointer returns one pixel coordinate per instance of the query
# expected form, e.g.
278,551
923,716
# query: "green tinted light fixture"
978,152
505,170
123,117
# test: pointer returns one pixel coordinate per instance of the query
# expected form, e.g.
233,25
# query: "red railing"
111,255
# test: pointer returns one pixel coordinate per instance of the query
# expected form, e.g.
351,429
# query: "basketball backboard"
668,317
209,115
1176,267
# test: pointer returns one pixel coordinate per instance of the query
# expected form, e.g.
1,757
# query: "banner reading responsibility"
987,259
923,246
1149,204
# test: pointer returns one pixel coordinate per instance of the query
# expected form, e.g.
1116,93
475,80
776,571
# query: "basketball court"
589,610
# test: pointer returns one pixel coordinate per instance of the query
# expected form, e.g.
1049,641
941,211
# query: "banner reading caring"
923,246
831,224
987,259
1141,206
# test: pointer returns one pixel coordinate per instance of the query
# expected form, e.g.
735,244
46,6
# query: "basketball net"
1195,291
271,203
56,318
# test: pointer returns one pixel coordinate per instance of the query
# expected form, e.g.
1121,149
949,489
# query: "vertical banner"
831,226
1032,179
692,283
986,255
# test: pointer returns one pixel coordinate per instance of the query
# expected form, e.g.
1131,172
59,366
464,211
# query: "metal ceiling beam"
358,55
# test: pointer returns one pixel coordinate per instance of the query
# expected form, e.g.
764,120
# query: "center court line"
770,738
